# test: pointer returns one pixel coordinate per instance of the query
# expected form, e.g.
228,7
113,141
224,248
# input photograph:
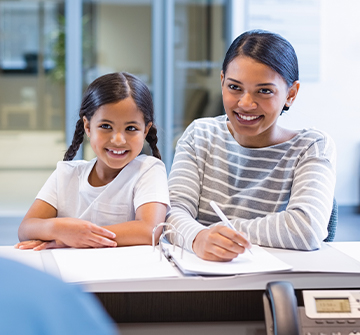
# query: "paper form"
260,261
111,264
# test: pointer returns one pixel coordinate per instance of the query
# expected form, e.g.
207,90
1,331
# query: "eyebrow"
126,123
261,84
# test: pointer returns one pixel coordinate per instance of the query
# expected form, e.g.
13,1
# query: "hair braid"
152,139
76,142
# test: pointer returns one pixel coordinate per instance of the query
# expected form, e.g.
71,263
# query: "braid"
152,139
76,142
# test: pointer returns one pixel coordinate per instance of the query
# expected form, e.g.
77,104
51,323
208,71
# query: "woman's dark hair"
266,48
112,88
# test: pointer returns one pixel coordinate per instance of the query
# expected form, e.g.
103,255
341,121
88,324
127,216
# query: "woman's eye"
234,87
131,128
265,91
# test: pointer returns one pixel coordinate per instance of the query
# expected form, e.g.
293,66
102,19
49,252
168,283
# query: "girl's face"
254,96
117,132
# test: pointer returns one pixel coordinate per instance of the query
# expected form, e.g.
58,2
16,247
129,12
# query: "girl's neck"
99,177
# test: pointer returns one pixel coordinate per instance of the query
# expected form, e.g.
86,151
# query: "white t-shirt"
142,181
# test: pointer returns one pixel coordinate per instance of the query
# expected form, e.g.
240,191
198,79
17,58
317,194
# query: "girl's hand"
220,243
31,244
83,234
38,245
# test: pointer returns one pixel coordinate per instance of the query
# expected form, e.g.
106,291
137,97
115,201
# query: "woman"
275,185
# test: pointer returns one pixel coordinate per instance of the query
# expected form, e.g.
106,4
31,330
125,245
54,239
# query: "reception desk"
214,298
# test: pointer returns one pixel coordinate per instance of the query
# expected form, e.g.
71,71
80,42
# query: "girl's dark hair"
112,88
267,48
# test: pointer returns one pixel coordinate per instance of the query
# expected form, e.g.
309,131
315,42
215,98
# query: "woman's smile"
248,119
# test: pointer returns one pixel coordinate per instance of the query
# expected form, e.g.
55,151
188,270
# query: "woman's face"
254,96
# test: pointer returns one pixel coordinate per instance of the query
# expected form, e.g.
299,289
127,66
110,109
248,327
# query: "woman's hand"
220,243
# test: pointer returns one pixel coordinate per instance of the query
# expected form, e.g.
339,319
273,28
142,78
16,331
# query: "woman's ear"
292,93
86,126
222,77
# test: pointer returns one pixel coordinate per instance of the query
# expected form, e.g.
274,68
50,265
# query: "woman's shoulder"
209,126
312,135
314,142
216,121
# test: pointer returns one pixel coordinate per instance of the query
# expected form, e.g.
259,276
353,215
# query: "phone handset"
280,306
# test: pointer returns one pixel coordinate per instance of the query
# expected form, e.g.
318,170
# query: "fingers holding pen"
220,243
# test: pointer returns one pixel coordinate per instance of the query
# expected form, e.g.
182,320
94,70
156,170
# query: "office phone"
328,312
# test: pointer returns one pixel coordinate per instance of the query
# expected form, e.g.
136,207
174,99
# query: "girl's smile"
117,132
254,95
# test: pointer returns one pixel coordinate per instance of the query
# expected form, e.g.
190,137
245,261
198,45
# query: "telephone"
331,312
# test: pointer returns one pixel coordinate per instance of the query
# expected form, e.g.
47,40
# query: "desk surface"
200,298
336,265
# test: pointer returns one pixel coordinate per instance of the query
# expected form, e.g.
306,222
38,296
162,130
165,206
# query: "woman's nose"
118,138
246,102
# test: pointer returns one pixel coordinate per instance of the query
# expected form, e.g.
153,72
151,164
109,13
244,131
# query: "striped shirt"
281,195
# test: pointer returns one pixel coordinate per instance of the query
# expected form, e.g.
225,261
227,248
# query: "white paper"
257,262
351,249
111,264
325,259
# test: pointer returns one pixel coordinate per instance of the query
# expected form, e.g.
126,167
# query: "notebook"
259,261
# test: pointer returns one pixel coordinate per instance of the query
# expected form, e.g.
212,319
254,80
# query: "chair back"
332,223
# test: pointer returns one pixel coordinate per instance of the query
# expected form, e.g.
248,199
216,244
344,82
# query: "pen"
222,216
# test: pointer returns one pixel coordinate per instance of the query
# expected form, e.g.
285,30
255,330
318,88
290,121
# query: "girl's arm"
41,223
139,231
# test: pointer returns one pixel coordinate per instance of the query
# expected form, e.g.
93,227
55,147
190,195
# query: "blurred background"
51,50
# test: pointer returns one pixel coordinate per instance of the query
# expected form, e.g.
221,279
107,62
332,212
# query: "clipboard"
260,261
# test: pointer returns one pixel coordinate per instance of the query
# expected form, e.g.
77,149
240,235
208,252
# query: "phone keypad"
328,326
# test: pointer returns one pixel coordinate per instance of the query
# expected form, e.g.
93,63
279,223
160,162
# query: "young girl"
115,199
276,185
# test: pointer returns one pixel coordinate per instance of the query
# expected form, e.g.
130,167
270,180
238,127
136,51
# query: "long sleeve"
184,190
303,223
281,196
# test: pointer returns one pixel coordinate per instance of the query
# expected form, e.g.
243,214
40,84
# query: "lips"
117,152
247,119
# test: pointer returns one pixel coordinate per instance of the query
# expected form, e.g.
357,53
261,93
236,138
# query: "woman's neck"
263,140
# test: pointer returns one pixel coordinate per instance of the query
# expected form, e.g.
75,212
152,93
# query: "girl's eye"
131,128
105,126
265,91
234,87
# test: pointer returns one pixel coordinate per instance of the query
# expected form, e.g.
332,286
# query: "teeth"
117,152
248,118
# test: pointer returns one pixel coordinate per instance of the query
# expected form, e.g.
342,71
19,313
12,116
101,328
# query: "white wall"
330,103
124,38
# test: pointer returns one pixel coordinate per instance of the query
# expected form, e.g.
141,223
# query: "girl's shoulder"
75,166
144,162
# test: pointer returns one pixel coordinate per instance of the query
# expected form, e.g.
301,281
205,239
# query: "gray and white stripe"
281,196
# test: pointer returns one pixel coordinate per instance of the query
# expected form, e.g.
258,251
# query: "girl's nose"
118,138
246,102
